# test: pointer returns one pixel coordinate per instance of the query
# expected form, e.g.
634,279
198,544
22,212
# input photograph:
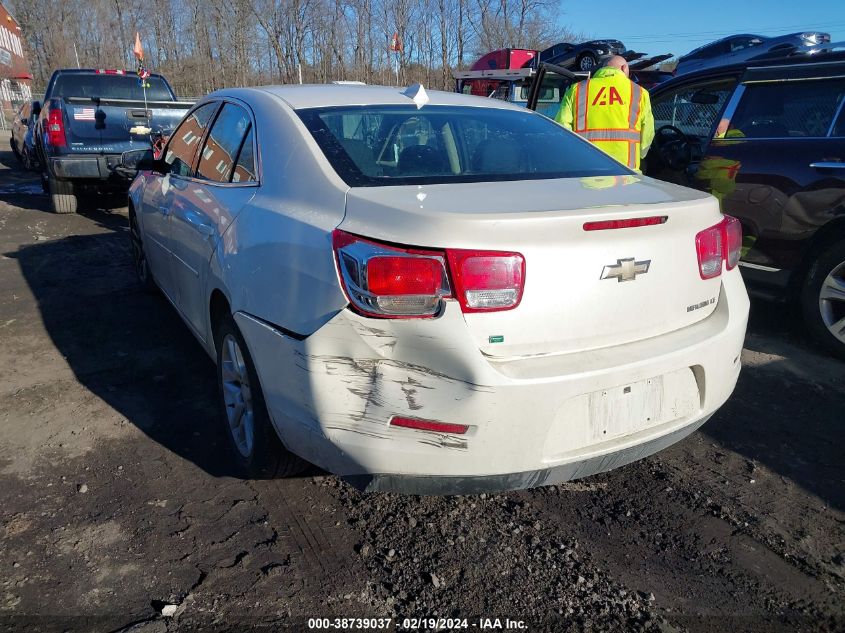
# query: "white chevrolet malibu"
436,293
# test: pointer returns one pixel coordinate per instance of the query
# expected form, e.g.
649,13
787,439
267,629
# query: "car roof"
300,96
720,40
783,67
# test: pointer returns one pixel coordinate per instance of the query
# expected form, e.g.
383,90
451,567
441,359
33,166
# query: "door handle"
827,165
199,225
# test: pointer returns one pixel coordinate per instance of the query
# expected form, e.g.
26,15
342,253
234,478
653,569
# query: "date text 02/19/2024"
414,624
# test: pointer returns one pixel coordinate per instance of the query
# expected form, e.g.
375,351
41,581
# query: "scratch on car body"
443,440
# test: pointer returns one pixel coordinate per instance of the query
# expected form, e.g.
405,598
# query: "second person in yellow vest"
611,111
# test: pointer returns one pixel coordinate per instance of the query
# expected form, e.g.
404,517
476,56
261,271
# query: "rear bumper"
435,485
533,421
98,167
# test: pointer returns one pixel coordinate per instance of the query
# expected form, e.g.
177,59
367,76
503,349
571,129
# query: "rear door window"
245,170
794,109
183,143
220,153
693,109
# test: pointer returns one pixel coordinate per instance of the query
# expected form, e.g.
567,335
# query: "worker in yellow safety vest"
611,111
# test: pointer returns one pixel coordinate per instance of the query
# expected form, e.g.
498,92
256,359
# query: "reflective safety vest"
611,111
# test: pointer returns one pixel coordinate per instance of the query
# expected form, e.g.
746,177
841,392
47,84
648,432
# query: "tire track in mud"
319,536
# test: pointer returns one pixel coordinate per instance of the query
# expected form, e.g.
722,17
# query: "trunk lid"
566,305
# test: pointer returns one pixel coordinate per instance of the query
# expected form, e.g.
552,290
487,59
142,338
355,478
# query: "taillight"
732,240
721,242
486,281
389,281
56,128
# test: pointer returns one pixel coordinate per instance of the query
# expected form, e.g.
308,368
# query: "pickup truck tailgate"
108,125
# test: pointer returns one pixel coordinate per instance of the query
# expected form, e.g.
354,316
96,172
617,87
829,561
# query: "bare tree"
202,46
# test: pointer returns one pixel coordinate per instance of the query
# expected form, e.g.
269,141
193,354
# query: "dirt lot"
117,503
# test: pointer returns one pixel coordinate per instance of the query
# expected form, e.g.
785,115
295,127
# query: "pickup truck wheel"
26,159
62,196
823,299
256,447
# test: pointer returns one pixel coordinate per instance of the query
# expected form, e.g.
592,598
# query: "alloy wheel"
237,395
587,63
832,302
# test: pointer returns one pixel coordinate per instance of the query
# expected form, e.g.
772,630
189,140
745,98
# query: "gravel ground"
118,511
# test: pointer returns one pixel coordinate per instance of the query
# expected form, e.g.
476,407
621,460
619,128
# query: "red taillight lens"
389,281
721,242
429,425
486,281
708,246
384,280
56,128
404,275
732,239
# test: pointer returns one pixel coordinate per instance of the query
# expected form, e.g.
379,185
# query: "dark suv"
768,141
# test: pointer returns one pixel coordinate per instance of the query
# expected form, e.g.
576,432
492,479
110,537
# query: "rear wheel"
61,195
823,299
139,257
255,446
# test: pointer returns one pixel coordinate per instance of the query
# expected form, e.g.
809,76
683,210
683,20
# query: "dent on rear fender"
352,376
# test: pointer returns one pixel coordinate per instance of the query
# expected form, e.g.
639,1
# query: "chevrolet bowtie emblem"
625,269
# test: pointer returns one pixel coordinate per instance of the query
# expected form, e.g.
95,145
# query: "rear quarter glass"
382,145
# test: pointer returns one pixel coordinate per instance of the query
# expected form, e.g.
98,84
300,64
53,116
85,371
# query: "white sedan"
436,293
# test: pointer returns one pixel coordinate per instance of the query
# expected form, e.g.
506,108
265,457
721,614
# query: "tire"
587,61
139,258
26,160
255,446
14,148
62,196
823,299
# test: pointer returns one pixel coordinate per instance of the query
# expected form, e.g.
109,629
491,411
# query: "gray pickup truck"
88,119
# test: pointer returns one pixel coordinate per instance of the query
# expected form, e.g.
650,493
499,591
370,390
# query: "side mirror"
36,108
137,160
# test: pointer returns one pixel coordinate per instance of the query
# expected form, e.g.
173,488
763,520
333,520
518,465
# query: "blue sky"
678,26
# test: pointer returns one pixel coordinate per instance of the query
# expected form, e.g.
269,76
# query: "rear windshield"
373,146
110,87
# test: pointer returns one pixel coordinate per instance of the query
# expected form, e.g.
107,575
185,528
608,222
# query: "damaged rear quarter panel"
346,381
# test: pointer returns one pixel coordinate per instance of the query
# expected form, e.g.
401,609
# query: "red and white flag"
83,114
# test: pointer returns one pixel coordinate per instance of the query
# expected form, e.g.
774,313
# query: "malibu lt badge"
625,269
